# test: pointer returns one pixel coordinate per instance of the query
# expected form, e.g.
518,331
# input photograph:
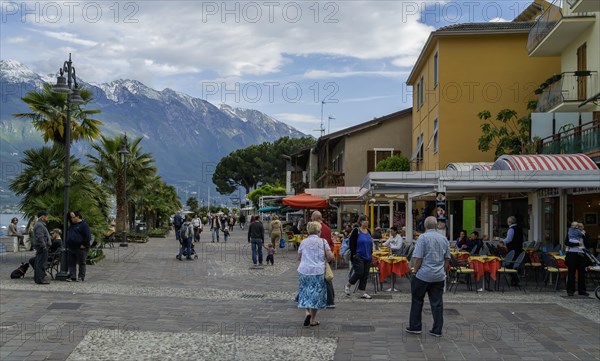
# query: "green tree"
41,185
256,164
192,204
265,190
159,202
395,163
49,111
508,134
109,165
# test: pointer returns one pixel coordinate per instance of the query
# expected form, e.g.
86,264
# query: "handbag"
282,243
328,271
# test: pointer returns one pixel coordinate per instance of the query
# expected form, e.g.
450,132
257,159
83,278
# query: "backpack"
187,230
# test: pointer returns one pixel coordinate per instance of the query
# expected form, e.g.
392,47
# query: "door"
582,66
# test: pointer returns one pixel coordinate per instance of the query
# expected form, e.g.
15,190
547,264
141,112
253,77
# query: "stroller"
593,266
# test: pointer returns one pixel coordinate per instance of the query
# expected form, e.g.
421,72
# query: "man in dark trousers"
256,236
431,257
41,242
514,242
78,242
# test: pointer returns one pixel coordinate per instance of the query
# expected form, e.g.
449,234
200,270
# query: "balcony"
565,92
582,6
581,139
553,31
330,179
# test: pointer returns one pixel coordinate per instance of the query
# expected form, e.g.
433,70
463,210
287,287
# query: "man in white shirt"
395,241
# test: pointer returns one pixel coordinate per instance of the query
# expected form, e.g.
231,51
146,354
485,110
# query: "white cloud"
499,20
17,40
188,37
297,118
324,74
70,38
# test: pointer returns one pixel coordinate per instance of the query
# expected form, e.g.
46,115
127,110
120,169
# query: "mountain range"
187,136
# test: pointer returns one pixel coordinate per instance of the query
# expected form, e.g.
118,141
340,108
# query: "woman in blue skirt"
312,291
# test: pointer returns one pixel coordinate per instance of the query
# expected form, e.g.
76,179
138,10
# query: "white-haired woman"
312,290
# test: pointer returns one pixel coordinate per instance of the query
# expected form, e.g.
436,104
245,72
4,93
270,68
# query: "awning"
545,162
306,201
268,209
416,150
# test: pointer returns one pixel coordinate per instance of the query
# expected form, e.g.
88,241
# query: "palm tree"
49,112
41,183
160,201
109,167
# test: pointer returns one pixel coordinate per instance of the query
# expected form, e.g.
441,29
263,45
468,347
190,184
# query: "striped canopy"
545,162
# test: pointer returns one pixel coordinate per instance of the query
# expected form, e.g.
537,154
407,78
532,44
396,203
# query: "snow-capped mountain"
187,136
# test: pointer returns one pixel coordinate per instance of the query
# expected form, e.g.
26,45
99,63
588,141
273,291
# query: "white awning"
417,149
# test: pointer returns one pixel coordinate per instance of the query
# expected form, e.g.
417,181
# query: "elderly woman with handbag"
313,254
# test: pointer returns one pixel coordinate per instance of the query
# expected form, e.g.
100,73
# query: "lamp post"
67,86
124,152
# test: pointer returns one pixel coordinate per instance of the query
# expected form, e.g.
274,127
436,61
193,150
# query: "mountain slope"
187,136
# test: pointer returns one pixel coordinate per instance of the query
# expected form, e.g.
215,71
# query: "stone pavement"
140,303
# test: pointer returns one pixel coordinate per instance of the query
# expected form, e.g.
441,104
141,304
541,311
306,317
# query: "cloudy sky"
282,58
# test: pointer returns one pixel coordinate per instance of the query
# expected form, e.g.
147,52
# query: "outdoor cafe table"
392,265
485,264
461,255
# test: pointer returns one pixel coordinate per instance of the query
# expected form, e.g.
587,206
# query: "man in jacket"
41,242
256,236
78,242
215,227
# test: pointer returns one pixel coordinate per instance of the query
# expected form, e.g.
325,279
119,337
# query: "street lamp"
124,152
67,86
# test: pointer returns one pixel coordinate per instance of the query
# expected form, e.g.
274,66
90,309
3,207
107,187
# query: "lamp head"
61,85
76,96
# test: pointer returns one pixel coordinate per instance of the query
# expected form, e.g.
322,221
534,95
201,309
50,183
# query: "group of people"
46,243
431,256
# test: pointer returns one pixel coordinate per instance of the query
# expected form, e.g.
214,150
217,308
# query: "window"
377,155
435,136
418,95
422,91
435,70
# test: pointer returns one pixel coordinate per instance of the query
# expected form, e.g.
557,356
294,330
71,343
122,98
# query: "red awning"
306,201
545,162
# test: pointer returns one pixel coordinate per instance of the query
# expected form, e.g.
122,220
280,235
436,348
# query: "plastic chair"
551,268
504,271
456,270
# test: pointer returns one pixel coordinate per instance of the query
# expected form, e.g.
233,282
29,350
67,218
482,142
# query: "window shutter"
370,161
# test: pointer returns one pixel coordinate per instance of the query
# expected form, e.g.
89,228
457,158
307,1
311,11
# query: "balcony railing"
581,139
331,179
543,26
574,86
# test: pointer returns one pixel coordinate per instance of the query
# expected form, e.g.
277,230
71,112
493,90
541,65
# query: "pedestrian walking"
361,248
256,236
431,257
312,289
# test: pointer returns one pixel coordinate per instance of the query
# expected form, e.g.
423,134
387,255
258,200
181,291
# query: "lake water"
5,221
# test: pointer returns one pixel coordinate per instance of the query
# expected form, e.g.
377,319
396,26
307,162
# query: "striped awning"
545,162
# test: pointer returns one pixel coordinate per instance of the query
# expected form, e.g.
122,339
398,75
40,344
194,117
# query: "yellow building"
462,70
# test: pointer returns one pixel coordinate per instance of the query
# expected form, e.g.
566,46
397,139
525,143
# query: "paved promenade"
140,303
